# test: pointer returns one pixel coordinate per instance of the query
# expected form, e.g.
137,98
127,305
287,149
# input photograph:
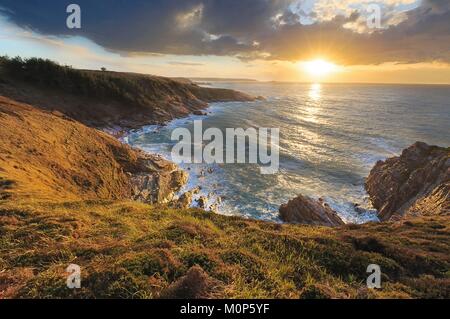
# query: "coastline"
199,176
70,193
192,185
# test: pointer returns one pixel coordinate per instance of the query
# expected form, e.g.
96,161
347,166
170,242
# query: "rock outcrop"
198,112
415,183
305,210
202,202
185,200
158,181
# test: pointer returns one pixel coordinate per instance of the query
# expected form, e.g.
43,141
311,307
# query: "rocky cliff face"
158,181
305,210
415,183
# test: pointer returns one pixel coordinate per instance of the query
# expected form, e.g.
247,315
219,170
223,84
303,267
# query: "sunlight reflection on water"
314,91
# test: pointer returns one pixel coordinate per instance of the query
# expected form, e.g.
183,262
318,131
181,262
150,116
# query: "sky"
268,40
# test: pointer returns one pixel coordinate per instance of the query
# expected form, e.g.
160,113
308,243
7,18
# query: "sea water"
331,135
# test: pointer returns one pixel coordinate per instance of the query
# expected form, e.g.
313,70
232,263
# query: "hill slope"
102,98
47,156
132,250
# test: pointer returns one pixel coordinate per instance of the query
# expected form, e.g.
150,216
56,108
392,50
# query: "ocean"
331,135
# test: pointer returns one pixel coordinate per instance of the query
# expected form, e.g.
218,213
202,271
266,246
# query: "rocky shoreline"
416,183
111,102
424,191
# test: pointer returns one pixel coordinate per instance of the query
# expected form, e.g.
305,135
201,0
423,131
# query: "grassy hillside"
132,250
63,200
44,155
103,98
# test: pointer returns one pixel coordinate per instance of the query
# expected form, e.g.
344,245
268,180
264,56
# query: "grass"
133,250
43,155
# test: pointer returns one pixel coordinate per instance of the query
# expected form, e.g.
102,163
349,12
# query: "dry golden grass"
45,155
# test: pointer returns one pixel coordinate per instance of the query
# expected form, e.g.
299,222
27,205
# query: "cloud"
251,29
140,26
185,63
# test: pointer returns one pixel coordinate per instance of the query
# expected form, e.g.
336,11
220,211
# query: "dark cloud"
248,29
157,26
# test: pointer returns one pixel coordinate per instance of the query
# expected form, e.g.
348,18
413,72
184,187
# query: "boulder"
305,210
186,199
202,202
157,181
415,183
198,112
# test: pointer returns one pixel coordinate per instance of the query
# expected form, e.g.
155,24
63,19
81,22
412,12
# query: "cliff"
44,155
105,99
415,183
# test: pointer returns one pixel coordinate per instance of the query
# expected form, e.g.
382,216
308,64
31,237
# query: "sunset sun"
318,67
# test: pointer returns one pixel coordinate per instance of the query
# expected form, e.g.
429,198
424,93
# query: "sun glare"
318,67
